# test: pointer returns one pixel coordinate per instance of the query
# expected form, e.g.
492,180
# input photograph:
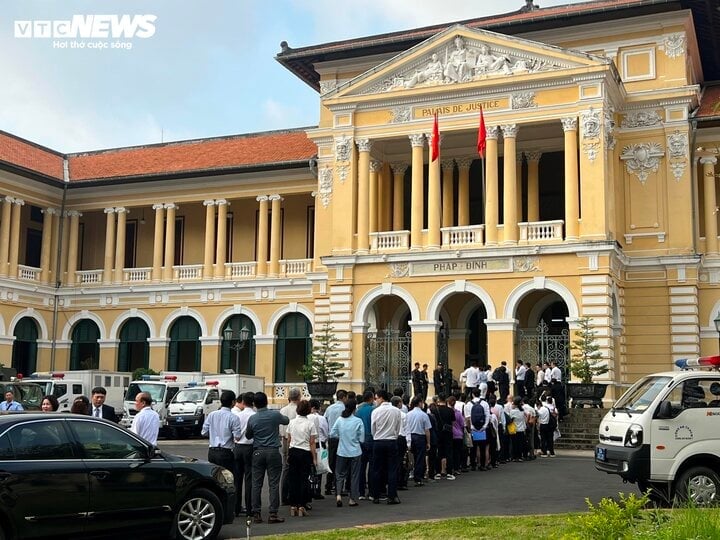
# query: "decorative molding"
327,86
533,155
325,180
509,130
677,146
526,264
448,163
591,150
638,119
569,123
609,117
417,139
492,132
641,159
399,168
343,147
400,115
674,45
523,100
659,235
464,162
364,145
399,270
591,125
375,165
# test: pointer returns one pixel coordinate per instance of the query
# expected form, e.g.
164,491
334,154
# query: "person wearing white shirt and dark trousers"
417,423
224,429
243,452
520,371
385,423
146,422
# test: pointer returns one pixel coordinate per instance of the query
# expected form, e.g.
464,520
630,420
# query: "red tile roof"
710,102
26,155
241,151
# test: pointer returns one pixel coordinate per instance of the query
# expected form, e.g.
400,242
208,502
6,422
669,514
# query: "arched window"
184,351
24,352
134,349
239,359
293,347
85,350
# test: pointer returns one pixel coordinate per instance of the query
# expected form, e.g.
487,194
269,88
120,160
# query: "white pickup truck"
664,434
190,406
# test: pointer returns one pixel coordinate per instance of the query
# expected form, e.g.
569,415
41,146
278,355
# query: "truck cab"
190,406
664,434
162,388
55,384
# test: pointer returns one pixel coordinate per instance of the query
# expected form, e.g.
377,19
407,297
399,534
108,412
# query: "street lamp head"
245,333
228,334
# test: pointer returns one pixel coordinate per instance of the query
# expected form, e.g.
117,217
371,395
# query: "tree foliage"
587,360
321,365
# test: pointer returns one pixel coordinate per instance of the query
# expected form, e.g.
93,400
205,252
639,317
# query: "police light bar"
191,384
212,383
57,375
170,377
703,361
151,377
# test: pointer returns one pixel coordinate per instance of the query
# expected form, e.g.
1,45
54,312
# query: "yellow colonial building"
596,197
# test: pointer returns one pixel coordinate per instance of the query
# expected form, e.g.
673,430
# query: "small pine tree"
587,360
321,365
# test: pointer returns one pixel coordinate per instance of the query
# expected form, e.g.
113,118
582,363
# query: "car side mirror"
664,410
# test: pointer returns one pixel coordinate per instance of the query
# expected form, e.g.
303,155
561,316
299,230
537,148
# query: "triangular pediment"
461,55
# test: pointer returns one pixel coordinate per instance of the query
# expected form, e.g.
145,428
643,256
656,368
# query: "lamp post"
717,325
242,339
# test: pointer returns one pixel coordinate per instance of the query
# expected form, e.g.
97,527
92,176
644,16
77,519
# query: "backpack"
552,422
477,415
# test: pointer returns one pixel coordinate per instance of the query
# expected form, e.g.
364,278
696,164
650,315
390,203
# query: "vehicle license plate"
179,419
600,454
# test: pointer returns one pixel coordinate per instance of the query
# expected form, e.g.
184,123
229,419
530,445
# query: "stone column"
262,247
518,185
385,196
65,239
533,189
275,224
73,245
363,197
14,238
711,224
463,191
46,244
171,209
209,250
492,201
417,210
54,246
109,245
434,203
5,234
158,242
373,190
398,219
221,252
120,244
572,203
510,230
448,197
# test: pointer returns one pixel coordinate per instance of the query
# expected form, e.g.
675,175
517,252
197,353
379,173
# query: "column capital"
447,163
74,213
464,163
364,145
509,131
9,199
50,211
399,168
208,202
222,202
121,210
429,137
275,197
158,206
109,210
708,160
533,156
519,157
19,202
262,198
492,132
417,139
171,206
375,165
569,123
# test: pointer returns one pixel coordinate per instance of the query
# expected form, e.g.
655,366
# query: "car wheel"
199,517
699,486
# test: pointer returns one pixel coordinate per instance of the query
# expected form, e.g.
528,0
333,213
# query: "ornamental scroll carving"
327,86
399,115
325,188
399,270
674,45
677,146
591,130
642,159
343,151
526,264
463,60
638,119
523,100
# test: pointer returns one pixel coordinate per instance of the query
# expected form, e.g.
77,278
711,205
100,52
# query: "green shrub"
610,520
139,372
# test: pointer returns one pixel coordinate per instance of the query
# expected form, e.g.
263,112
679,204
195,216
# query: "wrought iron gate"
538,345
387,359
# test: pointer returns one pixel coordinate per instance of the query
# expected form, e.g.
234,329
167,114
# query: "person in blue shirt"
350,432
10,405
332,413
364,412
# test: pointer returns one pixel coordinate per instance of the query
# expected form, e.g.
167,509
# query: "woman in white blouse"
302,434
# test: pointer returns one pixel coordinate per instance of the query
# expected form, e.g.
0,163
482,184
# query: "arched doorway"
240,360
543,332
24,352
184,350
388,345
293,347
134,349
85,349
477,338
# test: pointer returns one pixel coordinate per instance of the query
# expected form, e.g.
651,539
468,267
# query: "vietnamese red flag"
435,140
482,135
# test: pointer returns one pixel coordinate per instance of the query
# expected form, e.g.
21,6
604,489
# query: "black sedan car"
66,475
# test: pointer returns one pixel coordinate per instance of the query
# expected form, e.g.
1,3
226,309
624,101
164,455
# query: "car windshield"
642,394
29,395
195,396
156,391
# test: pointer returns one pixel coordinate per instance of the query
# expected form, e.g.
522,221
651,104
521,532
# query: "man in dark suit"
99,409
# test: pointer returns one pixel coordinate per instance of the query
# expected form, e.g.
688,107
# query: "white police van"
664,434
190,406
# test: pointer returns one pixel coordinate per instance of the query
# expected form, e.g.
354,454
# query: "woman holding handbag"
350,432
302,434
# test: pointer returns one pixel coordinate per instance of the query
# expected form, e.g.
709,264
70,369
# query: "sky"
207,70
